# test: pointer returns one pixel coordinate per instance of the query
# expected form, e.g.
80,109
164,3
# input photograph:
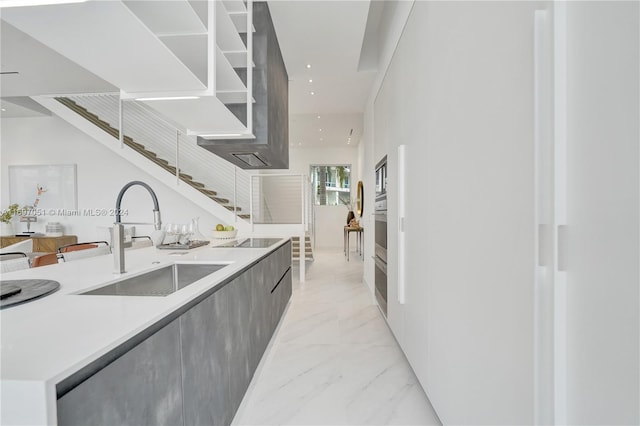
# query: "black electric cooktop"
249,243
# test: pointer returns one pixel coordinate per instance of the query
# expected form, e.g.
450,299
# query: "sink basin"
159,282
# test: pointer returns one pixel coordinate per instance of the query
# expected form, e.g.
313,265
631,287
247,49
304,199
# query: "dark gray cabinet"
142,387
279,285
200,364
260,317
205,341
240,347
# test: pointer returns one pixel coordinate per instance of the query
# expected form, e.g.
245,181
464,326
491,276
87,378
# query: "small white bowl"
225,235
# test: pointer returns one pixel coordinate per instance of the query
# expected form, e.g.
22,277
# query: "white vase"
6,229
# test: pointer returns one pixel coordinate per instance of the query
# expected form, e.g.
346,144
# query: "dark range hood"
270,148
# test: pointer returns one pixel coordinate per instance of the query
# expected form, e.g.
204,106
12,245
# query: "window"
331,185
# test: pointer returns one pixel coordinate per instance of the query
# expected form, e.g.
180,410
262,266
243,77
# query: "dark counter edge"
66,385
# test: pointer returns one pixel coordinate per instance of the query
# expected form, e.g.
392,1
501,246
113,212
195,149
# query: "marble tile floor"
333,360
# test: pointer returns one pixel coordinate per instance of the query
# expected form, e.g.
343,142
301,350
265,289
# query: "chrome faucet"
118,227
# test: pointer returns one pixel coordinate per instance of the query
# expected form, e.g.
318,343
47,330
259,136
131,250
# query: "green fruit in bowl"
219,227
229,228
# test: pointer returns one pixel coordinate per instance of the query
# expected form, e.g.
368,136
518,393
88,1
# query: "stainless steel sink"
160,282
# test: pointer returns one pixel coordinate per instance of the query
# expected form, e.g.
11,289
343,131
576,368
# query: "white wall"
365,159
101,175
330,220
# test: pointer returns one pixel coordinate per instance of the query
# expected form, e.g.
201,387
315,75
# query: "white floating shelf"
228,98
227,36
240,21
201,8
84,33
238,59
235,6
227,80
191,50
167,17
205,115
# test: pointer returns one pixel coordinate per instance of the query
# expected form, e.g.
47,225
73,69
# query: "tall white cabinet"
603,41
470,93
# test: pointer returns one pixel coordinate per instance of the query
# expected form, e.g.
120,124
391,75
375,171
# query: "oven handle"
380,264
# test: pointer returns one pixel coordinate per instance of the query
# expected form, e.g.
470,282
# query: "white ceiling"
326,34
339,129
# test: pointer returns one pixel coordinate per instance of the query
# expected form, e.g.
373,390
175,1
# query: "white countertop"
44,341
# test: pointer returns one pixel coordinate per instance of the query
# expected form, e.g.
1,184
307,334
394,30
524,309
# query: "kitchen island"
184,358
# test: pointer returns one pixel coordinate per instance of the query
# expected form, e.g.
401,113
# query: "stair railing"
280,199
170,142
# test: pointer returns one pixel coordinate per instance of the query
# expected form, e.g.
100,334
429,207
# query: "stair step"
219,200
129,140
209,192
113,132
195,184
88,116
150,155
306,257
244,216
231,208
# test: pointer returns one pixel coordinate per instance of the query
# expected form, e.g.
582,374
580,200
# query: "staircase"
308,250
149,155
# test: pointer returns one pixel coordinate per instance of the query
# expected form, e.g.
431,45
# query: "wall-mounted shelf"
235,6
85,33
191,50
227,36
226,78
238,59
240,21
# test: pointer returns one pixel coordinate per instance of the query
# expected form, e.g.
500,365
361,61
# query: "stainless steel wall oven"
380,235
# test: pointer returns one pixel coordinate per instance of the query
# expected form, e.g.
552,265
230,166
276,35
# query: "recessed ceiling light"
308,65
169,98
319,130
348,143
321,139
14,3
4,109
310,80
313,93
318,117
220,135
299,143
